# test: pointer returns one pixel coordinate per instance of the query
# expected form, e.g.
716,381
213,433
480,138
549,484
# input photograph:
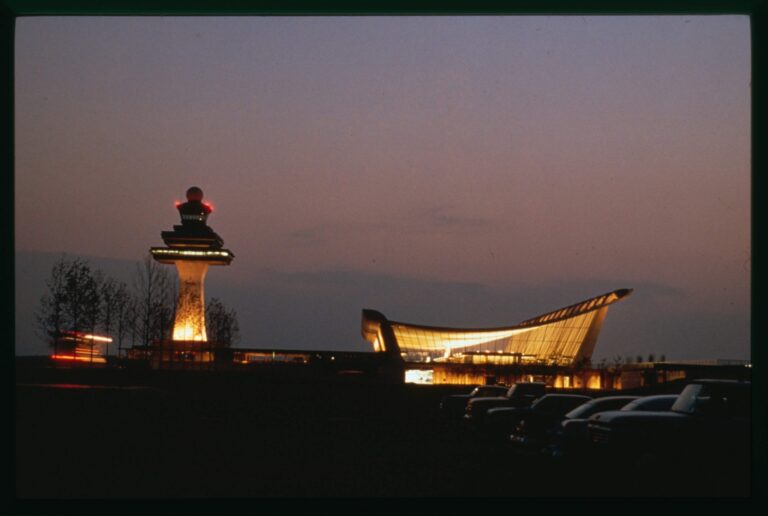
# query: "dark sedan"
708,425
500,421
533,429
453,406
572,435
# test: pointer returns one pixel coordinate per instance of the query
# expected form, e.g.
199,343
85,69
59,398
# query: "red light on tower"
177,203
209,206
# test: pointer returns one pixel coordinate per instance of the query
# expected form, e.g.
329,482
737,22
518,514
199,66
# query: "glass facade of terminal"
561,337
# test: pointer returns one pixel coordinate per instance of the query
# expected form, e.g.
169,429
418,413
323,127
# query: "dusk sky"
452,171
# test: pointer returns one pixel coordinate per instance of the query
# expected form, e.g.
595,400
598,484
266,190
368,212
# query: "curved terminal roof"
560,337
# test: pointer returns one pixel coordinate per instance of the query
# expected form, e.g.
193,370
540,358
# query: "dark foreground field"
197,435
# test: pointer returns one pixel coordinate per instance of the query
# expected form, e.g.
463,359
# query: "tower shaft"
189,324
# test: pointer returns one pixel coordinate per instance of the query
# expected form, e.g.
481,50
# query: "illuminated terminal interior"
561,337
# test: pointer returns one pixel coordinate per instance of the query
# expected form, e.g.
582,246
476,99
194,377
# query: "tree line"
82,298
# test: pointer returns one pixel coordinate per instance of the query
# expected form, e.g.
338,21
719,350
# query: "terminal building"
554,345
555,348
562,337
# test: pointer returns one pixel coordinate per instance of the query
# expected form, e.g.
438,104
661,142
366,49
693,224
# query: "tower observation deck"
192,246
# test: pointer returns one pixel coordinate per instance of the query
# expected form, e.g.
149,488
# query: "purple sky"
444,170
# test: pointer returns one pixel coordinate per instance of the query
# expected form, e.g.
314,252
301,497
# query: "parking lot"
239,438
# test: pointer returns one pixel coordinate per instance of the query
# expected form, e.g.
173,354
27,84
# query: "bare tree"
121,300
162,320
77,282
615,370
166,310
153,287
222,325
50,318
108,292
132,318
74,301
92,302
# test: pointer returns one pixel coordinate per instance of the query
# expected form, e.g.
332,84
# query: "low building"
77,347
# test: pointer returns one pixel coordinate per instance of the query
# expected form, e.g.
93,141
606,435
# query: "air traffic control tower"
192,247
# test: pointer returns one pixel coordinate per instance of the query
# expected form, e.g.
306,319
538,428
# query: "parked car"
709,423
571,436
519,395
500,421
529,424
543,431
453,406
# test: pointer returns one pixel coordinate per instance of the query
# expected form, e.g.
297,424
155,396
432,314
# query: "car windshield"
651,403
724,400
488,391
557,403
587,409
522,389
543,403
688,398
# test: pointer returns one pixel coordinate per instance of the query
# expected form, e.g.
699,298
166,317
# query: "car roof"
634,414
584,396
720,381
606,398
646,400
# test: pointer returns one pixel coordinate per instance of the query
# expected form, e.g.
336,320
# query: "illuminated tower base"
191,247
189,323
